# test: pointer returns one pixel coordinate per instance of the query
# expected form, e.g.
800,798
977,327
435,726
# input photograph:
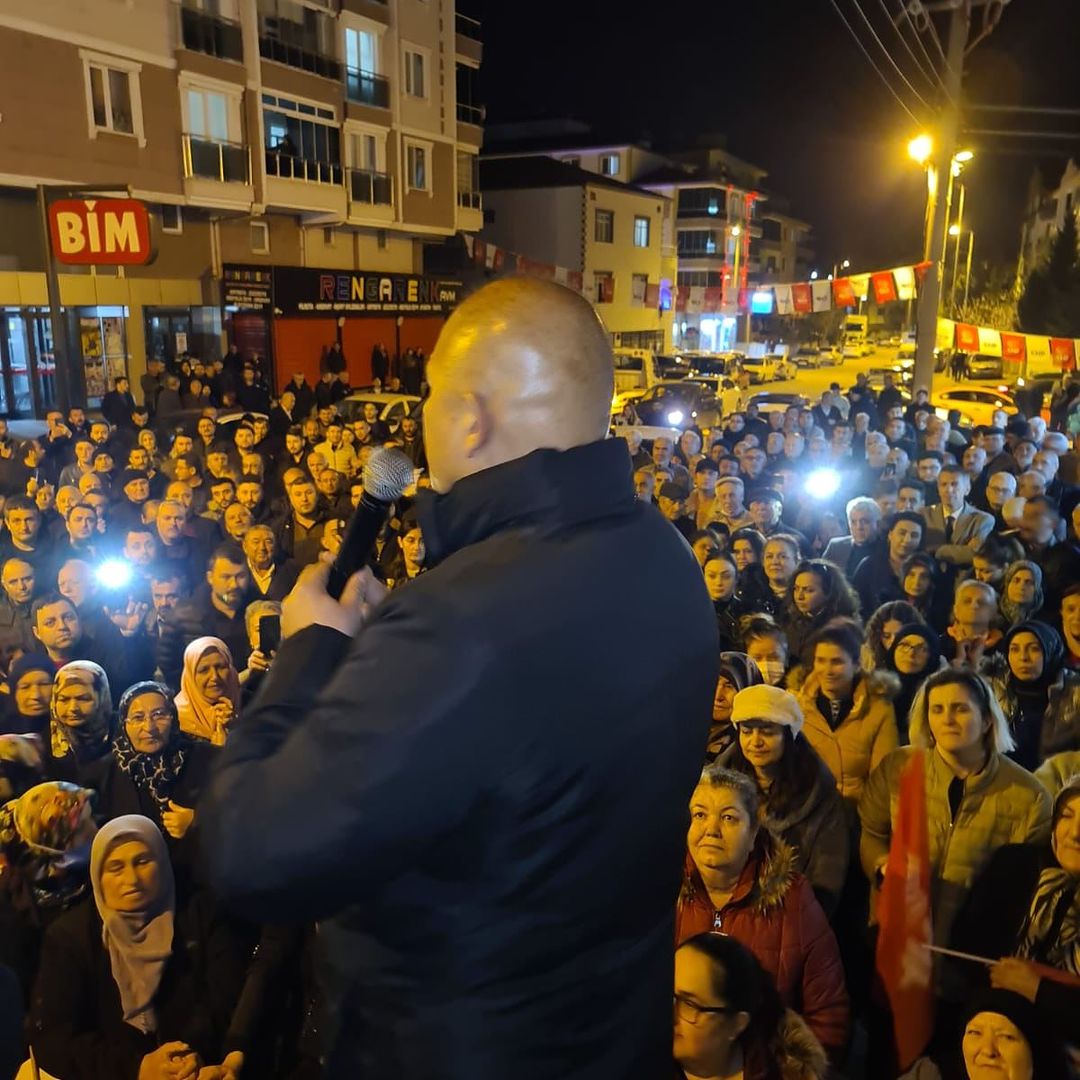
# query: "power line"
888,55
1042,110
930,75
905,6
881,75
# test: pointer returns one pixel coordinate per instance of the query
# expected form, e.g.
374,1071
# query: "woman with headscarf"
45,839
133,985
1021,592
209,698
1038,694
737,672
81,711
30,682
914,655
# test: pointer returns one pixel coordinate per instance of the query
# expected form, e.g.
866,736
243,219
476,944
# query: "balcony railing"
467,27
294,56
367,88
470,200
470,114
208,34
373,188
226,162
289,167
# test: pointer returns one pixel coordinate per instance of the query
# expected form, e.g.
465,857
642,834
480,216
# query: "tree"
1050,301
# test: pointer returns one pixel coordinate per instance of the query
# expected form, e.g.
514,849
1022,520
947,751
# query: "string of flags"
1038,350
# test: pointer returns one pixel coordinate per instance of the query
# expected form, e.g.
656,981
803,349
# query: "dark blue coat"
483,796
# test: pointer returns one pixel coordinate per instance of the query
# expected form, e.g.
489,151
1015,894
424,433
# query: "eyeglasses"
691,1012
916,648
158,716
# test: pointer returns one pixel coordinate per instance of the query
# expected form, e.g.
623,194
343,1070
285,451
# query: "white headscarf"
139,943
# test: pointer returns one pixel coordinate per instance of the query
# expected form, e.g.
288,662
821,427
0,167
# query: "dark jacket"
77,1029
194,618
15,632
281,582
447,875
875,582
117,407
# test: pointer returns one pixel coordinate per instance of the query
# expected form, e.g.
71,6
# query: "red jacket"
774,913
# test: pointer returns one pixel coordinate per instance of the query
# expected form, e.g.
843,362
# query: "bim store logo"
100,232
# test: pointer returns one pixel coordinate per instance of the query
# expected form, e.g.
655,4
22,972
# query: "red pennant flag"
802,297
903,957
499,260
574,280
682,294
920,273
744,300
884,287
714,298
1063,352
479,252
967,337
843,293
1013,347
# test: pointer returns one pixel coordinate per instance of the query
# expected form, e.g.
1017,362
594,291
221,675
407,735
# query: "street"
811,381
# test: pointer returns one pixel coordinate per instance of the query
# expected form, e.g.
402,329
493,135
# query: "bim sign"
100,232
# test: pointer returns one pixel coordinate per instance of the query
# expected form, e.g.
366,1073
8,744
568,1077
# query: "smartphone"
269,633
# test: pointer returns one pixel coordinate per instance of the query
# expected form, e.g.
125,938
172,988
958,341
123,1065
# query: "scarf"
1051,934
139,943
1017,613
909,684
196,711
153,773
88,740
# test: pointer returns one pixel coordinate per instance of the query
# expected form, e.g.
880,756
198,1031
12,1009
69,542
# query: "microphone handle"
358,544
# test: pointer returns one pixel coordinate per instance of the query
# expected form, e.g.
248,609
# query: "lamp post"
967,272
837,267
736,232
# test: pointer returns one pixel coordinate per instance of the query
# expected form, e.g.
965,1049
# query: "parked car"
981,366
852,350
975,405
832,356
771,401
808,356
782,366
761,369
393,408
679,404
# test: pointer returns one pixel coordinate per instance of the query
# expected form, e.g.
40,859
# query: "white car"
852,350
975,405
393,408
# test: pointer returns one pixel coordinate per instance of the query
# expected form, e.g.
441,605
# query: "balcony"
466,27
470,114
470,200
281,52
370,188
367,88
227,163
208,34
289,167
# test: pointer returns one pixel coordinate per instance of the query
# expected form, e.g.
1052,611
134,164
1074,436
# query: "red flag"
843,293
803,298
920,274
903,959
682,294
1063,352
967,337
1013,347
884,287
714,298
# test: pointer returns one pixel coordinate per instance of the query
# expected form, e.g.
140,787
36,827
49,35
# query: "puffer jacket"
1061,721
865,736
1055,772
1004,804
773,913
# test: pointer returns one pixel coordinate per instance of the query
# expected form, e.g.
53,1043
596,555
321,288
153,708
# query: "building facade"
1045,215
330,135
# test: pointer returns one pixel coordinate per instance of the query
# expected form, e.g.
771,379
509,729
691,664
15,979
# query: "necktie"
949,528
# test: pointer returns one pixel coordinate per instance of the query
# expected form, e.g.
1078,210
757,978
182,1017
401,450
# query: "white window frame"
427,147
648,230
132,69
178,231
408,47
356,127
364,27
596,225
613,156
265,227
233,99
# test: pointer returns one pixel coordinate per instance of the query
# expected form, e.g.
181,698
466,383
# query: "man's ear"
475,423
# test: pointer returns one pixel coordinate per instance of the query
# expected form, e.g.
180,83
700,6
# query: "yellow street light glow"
920,148
846,263
964,156
954,230
736,230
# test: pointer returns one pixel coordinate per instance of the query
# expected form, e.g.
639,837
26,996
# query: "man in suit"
864,521
954,529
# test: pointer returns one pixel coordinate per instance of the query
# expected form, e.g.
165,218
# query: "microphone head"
387,474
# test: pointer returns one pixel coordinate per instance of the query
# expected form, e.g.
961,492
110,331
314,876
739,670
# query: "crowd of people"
928,600
143,563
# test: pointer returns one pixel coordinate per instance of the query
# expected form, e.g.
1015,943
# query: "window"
171,219
638,284
303,142
469,109
292,33
468,180
364,152
575,161
260,238
417,165
696,242
112,96
329,235
609,164
207,114
361,51
604,232
604,281
415,74
641,232
380,239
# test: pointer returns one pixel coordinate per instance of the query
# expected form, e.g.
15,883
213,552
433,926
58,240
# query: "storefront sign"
359,292
247,287
100,232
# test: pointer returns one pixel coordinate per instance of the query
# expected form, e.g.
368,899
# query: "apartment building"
588,222
295,154
1044,215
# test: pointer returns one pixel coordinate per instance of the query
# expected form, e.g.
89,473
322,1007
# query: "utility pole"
956,253
944,148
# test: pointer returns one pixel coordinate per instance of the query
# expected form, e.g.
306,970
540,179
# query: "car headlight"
675,417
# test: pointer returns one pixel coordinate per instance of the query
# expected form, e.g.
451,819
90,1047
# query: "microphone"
386,476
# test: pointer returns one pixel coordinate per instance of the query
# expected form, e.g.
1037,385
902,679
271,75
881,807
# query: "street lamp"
837,267
920,148
813,275
954,229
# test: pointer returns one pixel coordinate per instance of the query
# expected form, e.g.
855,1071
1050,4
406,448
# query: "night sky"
796,97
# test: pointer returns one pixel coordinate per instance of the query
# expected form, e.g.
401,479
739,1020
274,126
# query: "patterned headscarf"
155,773
1015,613
45,839
21,764
89,740
195,710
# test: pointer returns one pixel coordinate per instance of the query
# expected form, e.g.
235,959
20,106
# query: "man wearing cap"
672,502
766,506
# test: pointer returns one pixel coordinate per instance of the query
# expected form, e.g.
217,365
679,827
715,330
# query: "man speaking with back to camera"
471,783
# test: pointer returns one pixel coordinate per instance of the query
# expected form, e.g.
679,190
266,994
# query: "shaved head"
521,365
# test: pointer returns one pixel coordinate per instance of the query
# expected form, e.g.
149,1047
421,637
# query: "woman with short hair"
881,629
